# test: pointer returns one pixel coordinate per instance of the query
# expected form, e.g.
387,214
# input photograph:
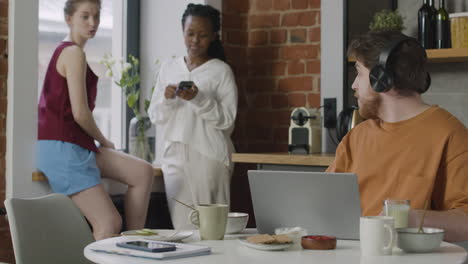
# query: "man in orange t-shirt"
406,149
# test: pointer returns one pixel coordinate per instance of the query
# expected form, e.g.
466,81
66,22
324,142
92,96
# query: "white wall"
161,38
331,58
22,101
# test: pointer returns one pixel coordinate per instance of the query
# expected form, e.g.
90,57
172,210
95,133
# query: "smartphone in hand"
184,85
148,246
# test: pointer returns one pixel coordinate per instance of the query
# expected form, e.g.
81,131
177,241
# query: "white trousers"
192,179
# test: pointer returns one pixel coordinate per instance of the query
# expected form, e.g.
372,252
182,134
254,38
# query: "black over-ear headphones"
381,77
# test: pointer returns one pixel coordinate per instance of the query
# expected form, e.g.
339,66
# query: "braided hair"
216,49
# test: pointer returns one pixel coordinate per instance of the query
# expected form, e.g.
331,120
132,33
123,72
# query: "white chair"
48,229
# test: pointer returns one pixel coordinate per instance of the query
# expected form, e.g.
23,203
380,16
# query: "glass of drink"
399,209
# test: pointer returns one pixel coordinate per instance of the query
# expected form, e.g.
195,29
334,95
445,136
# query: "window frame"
21,125
132,47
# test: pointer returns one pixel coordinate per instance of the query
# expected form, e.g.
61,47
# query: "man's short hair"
407,61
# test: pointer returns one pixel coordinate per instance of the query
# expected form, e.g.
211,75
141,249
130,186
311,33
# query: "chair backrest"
48,229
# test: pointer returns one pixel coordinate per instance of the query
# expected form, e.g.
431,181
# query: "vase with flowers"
125,74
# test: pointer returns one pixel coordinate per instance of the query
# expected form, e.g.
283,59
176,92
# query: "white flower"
127,66
109,73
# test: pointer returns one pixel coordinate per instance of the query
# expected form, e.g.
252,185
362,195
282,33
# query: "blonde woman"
67,154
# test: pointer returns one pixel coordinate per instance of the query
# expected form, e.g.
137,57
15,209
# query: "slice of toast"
282,239
269,239
261,239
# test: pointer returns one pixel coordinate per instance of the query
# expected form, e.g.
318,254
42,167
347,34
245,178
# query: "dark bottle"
433,21
425,26
442,29
433,8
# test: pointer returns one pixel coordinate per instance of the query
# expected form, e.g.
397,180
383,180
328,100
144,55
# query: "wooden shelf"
316,159
38,176
442,55
447,55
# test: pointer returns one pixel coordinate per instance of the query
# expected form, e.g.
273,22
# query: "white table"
231,251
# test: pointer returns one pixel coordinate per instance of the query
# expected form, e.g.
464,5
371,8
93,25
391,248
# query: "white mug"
377,235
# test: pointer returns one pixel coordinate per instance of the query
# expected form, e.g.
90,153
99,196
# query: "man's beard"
369,108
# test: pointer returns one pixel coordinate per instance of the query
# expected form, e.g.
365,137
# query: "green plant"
385,20
125,74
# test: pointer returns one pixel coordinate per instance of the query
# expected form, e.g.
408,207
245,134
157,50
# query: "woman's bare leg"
98,208
137,174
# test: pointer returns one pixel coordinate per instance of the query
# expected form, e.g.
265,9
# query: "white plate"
269,247
161,234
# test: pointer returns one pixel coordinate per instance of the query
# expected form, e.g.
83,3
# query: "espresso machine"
305,131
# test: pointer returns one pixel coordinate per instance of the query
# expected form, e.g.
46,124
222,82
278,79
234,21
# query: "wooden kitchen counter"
38,176
317,159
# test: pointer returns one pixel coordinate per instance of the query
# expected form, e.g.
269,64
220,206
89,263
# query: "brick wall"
6,249
274,49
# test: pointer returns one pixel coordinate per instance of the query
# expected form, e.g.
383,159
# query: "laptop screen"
322,203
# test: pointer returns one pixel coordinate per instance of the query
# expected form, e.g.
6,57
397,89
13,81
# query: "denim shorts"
68,167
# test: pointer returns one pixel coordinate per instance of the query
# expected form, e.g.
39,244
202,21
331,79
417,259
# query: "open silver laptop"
322,203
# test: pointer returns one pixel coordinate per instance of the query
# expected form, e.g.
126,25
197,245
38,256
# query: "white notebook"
182,250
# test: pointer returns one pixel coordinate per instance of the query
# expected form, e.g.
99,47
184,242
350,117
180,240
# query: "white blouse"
205,122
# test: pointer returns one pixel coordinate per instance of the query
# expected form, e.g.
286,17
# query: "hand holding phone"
170,91
187,90
148,246
184,85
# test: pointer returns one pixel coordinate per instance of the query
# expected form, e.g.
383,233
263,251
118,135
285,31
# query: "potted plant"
386,20
126,76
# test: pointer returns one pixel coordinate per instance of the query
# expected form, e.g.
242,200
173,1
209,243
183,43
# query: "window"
23,79
53,29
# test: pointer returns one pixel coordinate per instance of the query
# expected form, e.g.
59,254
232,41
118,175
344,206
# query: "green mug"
211,220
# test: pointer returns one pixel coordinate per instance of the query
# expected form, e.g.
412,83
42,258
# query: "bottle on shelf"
425,25
433,21
442,29
433,8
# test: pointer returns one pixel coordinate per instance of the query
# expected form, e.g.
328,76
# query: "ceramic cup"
211,220
236,222
377,235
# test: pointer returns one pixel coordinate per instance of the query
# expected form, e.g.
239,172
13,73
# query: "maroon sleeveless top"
55,121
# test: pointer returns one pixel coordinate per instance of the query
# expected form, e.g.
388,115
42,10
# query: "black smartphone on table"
148,246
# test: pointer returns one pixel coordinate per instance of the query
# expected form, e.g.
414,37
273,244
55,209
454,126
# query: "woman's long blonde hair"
70,5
